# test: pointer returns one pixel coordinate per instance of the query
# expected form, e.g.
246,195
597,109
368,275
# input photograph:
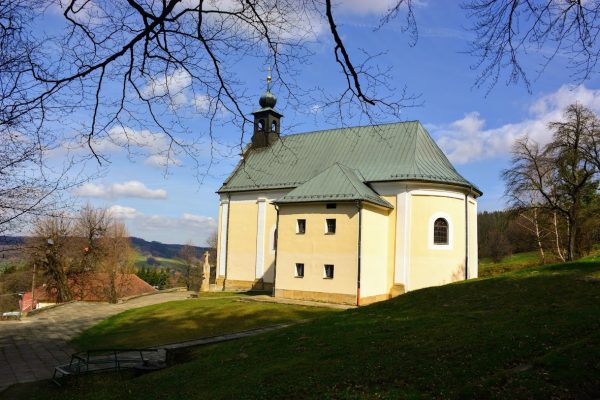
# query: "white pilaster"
260,238
473,261
402,261
223,242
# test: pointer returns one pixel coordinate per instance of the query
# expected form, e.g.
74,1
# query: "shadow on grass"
529,334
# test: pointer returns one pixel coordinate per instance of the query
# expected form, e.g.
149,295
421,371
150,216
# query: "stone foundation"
364,301
258,284
338,298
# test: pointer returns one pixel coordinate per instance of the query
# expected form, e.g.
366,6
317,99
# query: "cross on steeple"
269,78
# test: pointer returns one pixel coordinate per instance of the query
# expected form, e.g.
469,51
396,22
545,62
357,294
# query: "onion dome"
267,100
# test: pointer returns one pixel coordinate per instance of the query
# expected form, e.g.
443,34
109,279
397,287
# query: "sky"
474,126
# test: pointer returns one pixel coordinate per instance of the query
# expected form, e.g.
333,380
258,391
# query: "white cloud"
467,139
85,12
174,85
129,189
155,148
187,227
122,212
202,102
161,160
364,7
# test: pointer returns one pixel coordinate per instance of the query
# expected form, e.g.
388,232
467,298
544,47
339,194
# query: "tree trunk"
537,235
557,238
572,237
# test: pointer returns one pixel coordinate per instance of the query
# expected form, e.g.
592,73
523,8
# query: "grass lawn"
530,334
177,321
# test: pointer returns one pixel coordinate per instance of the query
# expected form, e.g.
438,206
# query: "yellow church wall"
241,257
315,248
432,265
375,276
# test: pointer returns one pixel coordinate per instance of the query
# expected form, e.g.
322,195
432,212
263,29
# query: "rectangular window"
328,271
331,205
301,226
330,226
299,270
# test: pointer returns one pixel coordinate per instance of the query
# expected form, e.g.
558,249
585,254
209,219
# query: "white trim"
269,195
438,193
393,188
432,245
389,188
223,243
260,238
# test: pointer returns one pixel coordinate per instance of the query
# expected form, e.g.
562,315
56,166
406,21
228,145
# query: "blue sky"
475,127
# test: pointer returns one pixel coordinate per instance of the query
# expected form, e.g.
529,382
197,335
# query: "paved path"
32,347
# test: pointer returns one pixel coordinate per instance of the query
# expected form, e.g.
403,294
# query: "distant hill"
155,249
158,249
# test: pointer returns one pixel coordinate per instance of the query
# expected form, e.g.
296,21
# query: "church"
352,215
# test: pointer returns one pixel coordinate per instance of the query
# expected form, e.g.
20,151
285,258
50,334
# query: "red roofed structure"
90,287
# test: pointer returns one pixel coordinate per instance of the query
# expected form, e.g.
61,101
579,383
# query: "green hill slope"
528,334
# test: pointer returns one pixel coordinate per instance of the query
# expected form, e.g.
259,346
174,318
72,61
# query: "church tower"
266,119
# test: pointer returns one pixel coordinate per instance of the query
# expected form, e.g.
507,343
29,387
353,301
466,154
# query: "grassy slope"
518,261
514,262
172,263
186,320
528,334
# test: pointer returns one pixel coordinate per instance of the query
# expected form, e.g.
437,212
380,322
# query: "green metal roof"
336,183
392,152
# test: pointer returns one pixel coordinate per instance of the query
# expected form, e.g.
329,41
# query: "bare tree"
117,261
560,174
190,274
28,186
531,215
139,68
51,250
91,226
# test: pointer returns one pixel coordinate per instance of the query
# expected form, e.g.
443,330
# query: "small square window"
331,205
330,226
299,270
328,271
301,226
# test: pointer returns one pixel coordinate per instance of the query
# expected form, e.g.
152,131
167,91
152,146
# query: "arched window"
274,126
440,231
261,124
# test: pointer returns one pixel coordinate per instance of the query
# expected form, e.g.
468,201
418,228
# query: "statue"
205,276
